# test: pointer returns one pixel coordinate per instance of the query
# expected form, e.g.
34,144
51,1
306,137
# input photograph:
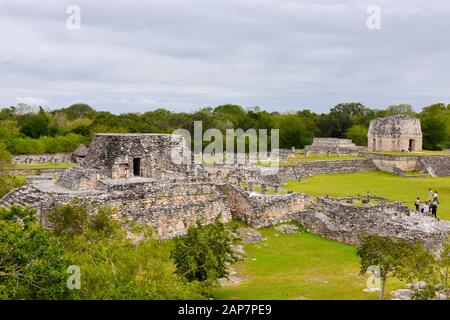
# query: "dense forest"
24,130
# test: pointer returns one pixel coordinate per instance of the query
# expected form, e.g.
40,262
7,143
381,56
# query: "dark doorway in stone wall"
137,167
412,145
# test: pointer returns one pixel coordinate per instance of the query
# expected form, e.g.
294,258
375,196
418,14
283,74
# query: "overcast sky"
135,55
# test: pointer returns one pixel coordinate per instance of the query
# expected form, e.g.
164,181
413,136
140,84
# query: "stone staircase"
436,166
75,178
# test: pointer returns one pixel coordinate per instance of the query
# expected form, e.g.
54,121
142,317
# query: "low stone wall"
311,168
169,208
259,210
344,223
435,165
388,163
35,172
42,158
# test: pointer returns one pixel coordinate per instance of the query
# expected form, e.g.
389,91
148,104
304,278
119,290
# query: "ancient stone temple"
395,133
331,145
149,179
128,156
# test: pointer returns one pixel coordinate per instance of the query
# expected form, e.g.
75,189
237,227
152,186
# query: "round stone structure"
395,133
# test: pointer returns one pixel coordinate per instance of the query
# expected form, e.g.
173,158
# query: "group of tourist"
428,206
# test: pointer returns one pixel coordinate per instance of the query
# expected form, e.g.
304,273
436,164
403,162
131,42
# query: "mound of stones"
288,229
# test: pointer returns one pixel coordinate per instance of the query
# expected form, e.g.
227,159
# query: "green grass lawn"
302,266
378,183
32,166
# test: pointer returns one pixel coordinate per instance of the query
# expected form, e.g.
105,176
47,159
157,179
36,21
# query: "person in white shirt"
426,207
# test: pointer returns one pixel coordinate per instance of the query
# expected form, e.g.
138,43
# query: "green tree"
70,219
342,117
358,134
403,108
205,252
420,264
383,252
435,122
31,264
36,125
119,263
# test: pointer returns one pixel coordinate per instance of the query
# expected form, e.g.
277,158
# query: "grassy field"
302,266
378,183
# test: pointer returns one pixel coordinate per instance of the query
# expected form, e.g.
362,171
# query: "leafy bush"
205,252
9,182
46,144
32,263
68,219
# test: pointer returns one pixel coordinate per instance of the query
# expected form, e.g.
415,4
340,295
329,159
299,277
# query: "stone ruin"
395,133
344,222
148,178
332,145
137,175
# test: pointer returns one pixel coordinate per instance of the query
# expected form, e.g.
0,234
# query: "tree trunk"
383,282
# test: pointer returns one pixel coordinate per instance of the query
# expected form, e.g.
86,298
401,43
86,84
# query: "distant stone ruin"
395,133
331,145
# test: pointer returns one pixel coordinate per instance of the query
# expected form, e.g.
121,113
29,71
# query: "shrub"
68,219
32,264
205,252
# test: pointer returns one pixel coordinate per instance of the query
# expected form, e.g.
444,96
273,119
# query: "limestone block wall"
387,162
435,165
42,158
394,143
169,208
343,222
311,168
109,153
33,172
394,133
259,210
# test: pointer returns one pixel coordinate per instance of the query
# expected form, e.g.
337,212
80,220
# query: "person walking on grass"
426,207
417,204
434,208
430,197
435,197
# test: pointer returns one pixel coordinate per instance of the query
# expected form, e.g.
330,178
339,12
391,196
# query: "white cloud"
184,54
34,102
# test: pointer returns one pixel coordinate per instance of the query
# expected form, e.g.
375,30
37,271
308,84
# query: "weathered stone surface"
331,145
288,229
310,168
343,222
42,158
401,294
260,210
249,235
169,207
395,133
